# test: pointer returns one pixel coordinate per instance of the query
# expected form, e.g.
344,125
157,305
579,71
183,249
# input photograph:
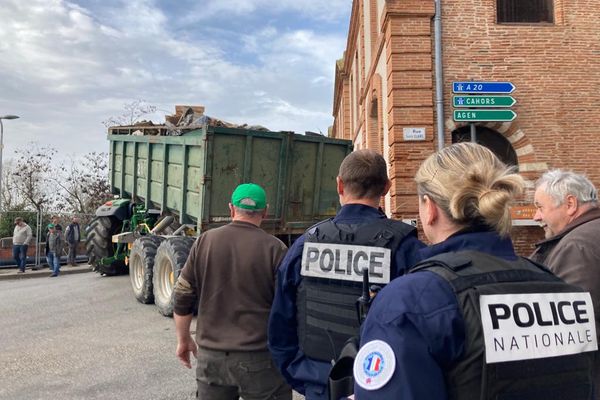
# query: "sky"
66,66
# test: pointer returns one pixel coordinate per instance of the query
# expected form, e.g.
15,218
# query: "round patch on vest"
374,365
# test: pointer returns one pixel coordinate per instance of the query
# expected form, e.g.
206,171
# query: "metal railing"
38,221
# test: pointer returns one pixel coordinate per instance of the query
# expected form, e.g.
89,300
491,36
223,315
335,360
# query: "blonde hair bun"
471,185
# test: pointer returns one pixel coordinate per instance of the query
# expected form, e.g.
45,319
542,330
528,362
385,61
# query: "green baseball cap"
249,196
50,226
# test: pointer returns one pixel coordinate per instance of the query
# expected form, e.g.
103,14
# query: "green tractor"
126,237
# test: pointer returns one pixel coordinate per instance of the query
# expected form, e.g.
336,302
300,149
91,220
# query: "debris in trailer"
185,119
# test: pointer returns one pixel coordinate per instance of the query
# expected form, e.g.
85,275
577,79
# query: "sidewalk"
44,272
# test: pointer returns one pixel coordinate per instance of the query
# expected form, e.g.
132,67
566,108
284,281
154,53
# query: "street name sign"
484,115
483,87
414,133
483,101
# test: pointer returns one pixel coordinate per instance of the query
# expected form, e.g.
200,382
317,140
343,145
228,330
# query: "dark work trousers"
20,255
72,253
229,375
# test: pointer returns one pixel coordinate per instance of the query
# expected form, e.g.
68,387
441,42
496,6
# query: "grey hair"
558,184
248,213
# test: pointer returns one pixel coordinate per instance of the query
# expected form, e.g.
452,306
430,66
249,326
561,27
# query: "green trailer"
172,188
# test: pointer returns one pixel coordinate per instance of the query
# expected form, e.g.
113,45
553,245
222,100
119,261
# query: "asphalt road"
82,336
86,337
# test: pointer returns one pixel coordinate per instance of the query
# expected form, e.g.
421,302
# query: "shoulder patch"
374,365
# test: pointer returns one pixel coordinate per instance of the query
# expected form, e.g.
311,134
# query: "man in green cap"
55,243
230,276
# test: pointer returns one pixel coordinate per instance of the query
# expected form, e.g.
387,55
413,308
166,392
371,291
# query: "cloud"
331,10
68,65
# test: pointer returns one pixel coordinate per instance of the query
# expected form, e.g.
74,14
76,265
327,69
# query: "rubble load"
185,119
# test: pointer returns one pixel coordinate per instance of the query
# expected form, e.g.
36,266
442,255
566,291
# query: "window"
489,138
525,11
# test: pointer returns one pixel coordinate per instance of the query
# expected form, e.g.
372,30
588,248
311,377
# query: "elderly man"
230,277
567,209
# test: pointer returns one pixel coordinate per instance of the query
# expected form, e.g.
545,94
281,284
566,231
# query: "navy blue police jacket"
418,316
308,376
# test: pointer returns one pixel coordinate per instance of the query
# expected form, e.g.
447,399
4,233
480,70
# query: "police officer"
319,280
473,320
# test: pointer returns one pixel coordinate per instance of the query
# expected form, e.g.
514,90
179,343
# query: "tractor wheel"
117,267
98,243
170,258
141,266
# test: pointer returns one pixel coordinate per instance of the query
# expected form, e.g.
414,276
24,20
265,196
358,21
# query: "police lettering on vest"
346,262
533,346
333,259
537,325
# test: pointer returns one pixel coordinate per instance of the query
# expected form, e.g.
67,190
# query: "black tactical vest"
473,275
326,304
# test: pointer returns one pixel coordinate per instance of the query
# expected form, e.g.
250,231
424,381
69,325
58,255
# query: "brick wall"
524,238
555,67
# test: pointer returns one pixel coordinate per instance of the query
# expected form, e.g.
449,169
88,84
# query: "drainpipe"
439,78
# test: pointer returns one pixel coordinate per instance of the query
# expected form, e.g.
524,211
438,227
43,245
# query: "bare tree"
33,175
11,199
85,182
132,113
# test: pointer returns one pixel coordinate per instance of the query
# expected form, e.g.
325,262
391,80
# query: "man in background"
55,242
21,237
54,220
72,237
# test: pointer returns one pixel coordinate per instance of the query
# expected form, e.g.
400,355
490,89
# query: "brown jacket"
574,256
230,274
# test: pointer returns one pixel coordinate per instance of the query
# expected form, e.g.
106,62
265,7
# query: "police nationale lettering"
346,262
537,325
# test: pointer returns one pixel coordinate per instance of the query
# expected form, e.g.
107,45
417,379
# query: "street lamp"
2,148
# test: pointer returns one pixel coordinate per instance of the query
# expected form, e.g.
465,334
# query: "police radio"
363,303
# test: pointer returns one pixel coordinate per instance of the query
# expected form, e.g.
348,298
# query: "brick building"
385,92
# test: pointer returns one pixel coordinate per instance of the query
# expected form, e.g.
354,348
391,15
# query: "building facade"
385,93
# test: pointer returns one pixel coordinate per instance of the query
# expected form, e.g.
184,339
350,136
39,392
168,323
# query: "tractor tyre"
98,243
117,267
141,267
170,258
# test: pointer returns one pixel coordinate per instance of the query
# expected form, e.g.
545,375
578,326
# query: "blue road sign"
483,87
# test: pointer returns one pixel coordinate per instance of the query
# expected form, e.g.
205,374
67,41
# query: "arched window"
490,139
